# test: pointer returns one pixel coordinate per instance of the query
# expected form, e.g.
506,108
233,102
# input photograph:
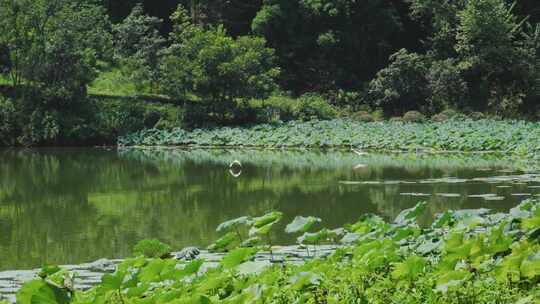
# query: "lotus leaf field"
467,256
454,135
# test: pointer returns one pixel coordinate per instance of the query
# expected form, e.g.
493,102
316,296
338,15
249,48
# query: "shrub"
441,117
447,88
396,119
152,248
275,108
446,115
341,98
313,106
413,116
363,116
477,115
498,56
378,115
402,85
116,117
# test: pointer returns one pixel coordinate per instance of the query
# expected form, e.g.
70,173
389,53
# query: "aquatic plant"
466,256
518,137
152,248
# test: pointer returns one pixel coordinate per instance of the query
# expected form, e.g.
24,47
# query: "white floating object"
235,163
360,166
494,198
361,153
414,194
371,183
235,174
350,183
521,194
483,195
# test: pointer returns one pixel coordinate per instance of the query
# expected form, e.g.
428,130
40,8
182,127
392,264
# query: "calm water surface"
78,205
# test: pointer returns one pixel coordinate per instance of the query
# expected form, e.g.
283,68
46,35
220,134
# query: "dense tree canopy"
246,60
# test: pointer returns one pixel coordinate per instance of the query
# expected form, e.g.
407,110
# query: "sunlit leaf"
301,224
231,224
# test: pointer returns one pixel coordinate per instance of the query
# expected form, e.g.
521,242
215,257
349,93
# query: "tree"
217,68
138,46
499,62
325,45
52,60
402,86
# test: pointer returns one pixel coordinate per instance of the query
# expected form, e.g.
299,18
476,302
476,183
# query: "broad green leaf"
237,257
49,270
260,231
314,238
410,215
192,267
451,279
530,268
224,242
532,222
39,292
253,267
301,280
301,224
444,219
231,224
266,219
112,281
350,238
409,269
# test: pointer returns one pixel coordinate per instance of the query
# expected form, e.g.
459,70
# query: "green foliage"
482,55
8,122
151,249
410,215
447,85
117,117
219,70
259,228
327,45
401,86
413,116
301,224
492,264
39,291
138,47
234,224
312,106
493,52
53,49
453,135
363,116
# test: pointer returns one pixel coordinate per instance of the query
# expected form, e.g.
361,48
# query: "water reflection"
77,205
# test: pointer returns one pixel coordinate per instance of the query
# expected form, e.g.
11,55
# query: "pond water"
78,205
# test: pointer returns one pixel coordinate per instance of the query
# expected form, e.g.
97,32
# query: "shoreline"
89,274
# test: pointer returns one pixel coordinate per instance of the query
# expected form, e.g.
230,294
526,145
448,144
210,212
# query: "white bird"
360,166
360,153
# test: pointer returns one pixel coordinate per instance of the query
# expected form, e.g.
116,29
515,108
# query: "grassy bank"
454,135
468,256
